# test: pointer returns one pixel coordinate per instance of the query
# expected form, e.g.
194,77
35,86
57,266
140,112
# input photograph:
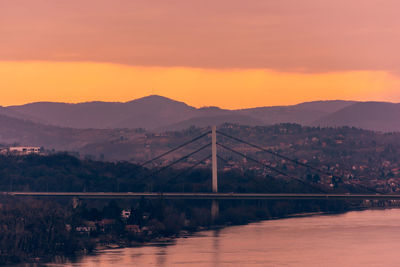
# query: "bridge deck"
130,195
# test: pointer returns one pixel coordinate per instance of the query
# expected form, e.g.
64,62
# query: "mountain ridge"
371,115
156,112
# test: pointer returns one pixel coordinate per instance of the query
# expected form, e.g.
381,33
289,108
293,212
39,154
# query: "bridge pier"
214,160
215,204
75,202
214,210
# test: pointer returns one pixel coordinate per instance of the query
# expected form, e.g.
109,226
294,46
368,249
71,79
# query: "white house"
24,150
125,214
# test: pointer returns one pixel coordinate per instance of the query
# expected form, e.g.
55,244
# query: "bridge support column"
75,202
214,210
215,204
214,160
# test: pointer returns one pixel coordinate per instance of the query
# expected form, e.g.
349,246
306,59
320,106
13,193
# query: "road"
131,195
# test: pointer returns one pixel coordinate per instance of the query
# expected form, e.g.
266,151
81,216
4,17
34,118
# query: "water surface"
360,238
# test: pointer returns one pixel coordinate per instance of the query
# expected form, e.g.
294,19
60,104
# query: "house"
85,229
125,214
24,150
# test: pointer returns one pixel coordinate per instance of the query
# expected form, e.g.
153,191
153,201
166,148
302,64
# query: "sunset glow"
231,54
24,82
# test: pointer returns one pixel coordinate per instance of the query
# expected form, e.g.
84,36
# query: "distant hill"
205,121
28,133
304,113
376,116
159,113
327,106
147,112
5,111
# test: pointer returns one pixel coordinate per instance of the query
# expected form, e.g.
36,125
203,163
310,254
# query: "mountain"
28,133
205,121
160,113
376,116
5,111
147,112
327,106
157,113
304,113
152,112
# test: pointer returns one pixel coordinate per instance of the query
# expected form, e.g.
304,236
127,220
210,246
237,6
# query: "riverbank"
188,234
170,240
154,223
357,238
98,247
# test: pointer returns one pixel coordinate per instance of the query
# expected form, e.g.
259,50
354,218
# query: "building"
24,150
106,224
85,229
125,214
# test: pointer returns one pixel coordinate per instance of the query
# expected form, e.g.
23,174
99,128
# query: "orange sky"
229,53
80,81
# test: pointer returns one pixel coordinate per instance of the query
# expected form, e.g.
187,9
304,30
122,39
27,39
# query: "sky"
227,53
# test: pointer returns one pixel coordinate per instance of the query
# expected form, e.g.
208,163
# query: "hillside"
356,155
376,116
159,113
28,133
212,120
304,113
147,112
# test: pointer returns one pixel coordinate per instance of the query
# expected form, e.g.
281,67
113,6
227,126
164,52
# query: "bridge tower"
215,204
214,160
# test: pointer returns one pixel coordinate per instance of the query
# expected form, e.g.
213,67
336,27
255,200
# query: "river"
358,238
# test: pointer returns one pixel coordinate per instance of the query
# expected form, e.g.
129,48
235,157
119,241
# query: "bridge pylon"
214,160
215,204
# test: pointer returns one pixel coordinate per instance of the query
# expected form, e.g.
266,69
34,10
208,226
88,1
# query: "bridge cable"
174,149
178,160
252,159
224,160
289,159
258,182
271,168
191,167
275,154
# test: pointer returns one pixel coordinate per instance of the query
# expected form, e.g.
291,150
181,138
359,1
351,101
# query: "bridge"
209,196
215,195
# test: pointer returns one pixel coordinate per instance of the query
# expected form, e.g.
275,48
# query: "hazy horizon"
205,105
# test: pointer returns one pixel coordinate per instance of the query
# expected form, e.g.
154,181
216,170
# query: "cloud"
286,35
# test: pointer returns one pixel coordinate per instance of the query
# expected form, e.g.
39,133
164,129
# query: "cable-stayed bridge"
210,196
320,193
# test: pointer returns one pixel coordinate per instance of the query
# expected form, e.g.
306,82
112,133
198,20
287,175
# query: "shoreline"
169,240
188,234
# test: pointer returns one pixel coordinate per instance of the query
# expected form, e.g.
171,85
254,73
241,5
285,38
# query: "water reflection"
367,238
161,256
216,250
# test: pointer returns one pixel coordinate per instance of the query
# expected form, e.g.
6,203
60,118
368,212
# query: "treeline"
65,173
33,228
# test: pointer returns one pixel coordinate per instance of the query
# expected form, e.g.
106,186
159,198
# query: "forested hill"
65,173
357,155
62,172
